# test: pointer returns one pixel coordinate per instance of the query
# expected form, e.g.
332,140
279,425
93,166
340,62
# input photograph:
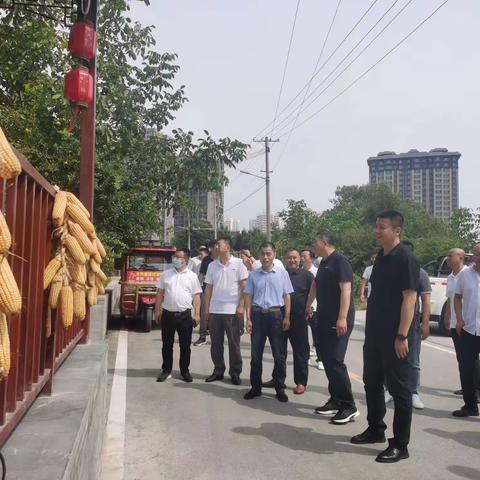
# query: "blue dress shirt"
268,288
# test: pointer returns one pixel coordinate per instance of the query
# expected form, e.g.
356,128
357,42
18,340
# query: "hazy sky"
232,55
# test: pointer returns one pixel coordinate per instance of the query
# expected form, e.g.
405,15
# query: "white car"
438,271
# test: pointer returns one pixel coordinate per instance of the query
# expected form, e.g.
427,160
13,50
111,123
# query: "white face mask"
177,263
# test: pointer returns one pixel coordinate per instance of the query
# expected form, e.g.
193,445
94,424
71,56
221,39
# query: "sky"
232,55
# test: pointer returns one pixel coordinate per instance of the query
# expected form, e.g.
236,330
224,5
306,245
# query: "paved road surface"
205,431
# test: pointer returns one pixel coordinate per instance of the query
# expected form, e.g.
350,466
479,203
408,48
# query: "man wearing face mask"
178,295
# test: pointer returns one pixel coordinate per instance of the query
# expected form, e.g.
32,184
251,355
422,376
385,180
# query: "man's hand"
158,315
240,312
341,327
425,331
248,326
285,324
401,348
309,312
459,326
196,319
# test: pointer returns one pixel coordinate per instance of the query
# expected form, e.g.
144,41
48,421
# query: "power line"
245,199
350,85
346,56
321,67
310,81
286,64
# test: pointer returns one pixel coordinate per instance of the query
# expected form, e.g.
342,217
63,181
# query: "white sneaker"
320,366
313,353
417,402
388,397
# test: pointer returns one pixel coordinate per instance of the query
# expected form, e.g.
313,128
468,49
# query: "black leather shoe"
392,454
368,437
164,375
252,394
236,380
187,377
282,396
214,377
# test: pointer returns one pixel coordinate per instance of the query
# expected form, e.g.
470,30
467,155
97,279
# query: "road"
175,430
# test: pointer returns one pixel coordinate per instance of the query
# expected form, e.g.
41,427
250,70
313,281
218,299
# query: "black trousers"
221,324
312,321
467,347
333,349
380,363
180,322
267,325
298,336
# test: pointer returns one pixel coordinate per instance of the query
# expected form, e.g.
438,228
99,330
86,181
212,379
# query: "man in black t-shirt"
335,317
390,311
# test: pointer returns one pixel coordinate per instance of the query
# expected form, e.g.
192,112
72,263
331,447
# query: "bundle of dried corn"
74,274
9,164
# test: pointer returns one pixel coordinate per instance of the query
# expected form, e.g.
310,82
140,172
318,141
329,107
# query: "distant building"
260,222
429,178
209,207
231,224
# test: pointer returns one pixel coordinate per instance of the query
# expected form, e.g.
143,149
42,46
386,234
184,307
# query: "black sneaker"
252,394
164,375
345,415
187,377
282,396
465,412
200,341
330,408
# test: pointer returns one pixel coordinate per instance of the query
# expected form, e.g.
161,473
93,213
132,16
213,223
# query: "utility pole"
267,171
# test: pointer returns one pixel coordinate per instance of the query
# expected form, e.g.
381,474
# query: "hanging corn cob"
10,300
59,207
82,238
79,307
78,216
4,347
51,270
5,236
74,249
92,296
75,201
9,164
55,288
66,305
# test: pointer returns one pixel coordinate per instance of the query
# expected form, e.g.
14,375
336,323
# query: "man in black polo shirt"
390,310
335,317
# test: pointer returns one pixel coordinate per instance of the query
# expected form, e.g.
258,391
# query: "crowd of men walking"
279,301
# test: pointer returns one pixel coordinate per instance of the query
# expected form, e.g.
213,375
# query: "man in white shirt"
365,281
467,311
223,304
178,294
195,262
252,264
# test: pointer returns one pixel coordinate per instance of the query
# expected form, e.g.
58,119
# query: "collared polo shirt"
225,279
301,282
451,286
392,274
468,285
179,289
268,288
332,271
276,262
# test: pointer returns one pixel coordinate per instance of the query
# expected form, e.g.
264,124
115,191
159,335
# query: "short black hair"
326,236
268,245
408,244
309,250
186,252
224,239
290,250
203,249
395,217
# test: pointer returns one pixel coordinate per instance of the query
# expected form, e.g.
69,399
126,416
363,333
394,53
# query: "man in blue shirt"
267,300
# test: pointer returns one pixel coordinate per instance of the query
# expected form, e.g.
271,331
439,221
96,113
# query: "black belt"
179,314
255,308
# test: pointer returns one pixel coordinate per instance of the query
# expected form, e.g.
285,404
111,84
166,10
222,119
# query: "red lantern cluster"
79,84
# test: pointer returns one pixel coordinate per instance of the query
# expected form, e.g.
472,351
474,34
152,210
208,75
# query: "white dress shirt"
225,280
366,275
276,262
468,285
451,285
179,289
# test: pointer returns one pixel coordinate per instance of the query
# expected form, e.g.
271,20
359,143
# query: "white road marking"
113,455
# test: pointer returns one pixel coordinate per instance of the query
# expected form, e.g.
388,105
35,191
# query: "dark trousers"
203,329
219,325
380,363
414,348
180,322
298,336
268,325
467,347
312,321
333,349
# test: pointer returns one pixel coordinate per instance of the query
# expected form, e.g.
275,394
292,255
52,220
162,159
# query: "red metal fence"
27,204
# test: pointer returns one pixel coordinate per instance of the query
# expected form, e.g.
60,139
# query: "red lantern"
79,86
82,42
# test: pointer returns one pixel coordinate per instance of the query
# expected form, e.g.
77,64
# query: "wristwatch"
401,337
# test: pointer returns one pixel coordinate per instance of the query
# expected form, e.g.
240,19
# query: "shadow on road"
467,438
306,439
464,472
